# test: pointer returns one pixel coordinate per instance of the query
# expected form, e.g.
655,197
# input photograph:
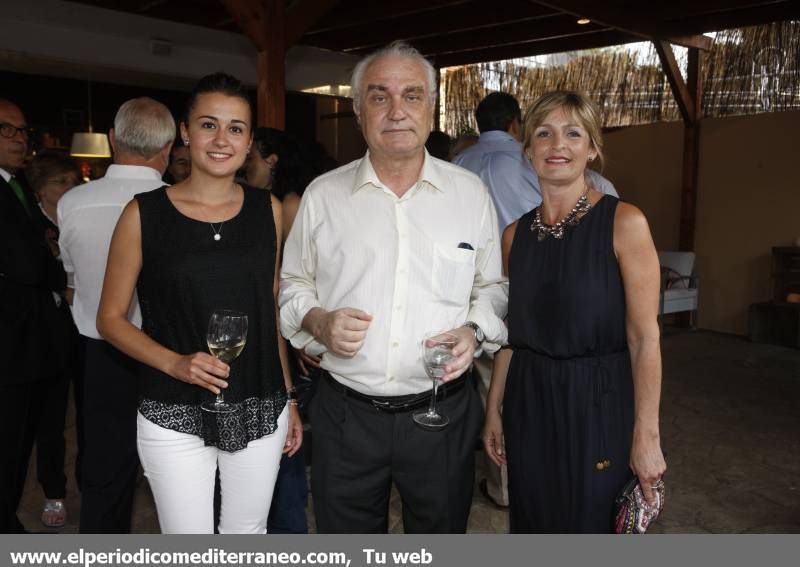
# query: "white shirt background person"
87,216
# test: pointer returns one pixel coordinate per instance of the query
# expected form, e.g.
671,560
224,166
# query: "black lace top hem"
253,419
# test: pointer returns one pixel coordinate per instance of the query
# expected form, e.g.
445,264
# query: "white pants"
181,471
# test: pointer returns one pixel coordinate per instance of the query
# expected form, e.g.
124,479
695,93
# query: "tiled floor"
731,430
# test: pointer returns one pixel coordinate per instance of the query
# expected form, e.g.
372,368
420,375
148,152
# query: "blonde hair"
573,103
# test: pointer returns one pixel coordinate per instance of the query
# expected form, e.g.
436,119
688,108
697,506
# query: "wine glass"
226,337
437,352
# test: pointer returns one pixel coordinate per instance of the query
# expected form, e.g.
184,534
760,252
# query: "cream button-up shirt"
428,261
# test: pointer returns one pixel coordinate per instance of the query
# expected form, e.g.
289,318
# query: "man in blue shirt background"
502,165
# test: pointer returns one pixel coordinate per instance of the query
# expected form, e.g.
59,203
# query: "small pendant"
217,237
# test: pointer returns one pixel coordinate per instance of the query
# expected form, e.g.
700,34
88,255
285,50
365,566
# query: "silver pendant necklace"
571,219
217,231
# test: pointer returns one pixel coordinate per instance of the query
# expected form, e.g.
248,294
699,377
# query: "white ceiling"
65,39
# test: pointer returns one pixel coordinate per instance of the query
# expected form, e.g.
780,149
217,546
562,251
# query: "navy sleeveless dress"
568,406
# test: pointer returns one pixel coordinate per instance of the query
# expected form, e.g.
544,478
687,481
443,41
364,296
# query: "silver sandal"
57,510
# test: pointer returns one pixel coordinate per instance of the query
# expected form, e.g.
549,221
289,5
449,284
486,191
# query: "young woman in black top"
204,244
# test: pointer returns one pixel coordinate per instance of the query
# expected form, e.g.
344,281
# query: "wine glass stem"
432,406
220,399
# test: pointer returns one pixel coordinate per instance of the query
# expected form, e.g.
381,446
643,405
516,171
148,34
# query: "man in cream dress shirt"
384,250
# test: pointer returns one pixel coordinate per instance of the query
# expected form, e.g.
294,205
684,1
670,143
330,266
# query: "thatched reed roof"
747,71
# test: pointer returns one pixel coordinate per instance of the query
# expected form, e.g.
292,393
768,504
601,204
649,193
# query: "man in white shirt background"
384,250
141,140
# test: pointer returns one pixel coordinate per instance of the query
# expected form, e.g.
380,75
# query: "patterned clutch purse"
633,514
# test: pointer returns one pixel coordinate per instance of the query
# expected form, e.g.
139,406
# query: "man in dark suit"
28,314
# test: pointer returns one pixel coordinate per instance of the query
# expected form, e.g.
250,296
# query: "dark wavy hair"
293,171
221,83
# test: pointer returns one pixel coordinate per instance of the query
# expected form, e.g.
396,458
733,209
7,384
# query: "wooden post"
691,153
437,111
689,96
266,23
272,67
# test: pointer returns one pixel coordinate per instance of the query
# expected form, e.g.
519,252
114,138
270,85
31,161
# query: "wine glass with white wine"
437,353
226,337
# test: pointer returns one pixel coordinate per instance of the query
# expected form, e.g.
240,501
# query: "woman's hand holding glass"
226,338
201,369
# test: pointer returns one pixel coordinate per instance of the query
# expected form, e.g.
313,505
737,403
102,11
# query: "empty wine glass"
226,337
436,355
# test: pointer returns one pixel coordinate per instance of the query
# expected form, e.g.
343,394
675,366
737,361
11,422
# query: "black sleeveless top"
185,276
567,299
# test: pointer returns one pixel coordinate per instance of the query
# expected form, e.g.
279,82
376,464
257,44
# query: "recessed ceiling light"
584,21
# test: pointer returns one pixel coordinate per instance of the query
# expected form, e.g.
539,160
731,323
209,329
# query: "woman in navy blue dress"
573,405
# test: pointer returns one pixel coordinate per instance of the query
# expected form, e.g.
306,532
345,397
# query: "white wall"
748,200
61,38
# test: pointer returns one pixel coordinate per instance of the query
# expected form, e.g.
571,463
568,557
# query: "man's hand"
464,352
342,331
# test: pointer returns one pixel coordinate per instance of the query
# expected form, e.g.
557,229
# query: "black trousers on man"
110,461
359,451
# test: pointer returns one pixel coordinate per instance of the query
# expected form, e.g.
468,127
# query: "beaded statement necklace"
571,219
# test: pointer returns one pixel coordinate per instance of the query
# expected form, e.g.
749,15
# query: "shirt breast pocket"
453,274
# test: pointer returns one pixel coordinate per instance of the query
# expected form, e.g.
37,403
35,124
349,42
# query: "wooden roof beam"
379,13
776,11
531,48
251,17
605,14
550,28
684,99
435,23
263,22
302,15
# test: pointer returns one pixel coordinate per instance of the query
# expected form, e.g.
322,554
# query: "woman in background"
280,165
50,175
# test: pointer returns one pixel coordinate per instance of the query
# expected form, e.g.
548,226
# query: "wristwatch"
479,336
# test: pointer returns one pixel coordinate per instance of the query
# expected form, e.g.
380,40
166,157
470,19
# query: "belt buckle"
381,405
389,407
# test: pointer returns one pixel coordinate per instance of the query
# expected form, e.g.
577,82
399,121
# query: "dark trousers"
110,461
50,444
358,452
18,423
287,514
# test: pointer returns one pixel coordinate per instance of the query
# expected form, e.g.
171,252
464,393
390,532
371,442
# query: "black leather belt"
397,404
